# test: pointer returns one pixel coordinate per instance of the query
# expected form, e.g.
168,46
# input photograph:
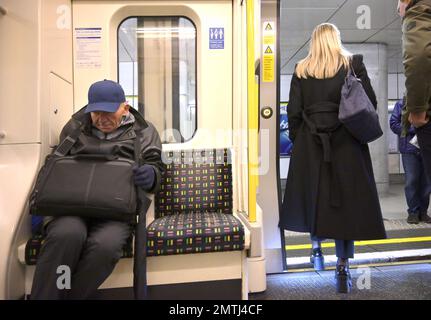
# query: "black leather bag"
357,113
88,186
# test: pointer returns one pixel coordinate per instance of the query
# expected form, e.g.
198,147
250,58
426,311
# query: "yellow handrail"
253,114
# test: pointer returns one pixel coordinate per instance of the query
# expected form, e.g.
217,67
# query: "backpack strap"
140,251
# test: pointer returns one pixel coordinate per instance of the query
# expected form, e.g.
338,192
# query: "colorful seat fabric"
193,233
193,208
196,181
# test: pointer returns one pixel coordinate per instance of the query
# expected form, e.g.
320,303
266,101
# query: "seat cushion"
33,246
193,233
176,234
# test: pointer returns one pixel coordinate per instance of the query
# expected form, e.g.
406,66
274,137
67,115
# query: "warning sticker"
88,48
268,33
268,68
268,26
268,40
268,50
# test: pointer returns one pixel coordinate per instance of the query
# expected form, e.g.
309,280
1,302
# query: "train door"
269,195
373,30
173,58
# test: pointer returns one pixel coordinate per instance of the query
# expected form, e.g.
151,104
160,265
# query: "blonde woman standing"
330,190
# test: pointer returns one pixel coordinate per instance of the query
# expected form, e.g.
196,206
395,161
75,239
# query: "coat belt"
325,139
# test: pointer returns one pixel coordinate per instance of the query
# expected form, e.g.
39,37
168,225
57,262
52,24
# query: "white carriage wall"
19,62
35,102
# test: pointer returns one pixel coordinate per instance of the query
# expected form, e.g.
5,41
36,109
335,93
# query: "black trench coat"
330,189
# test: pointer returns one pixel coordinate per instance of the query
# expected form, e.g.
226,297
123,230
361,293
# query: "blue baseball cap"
105,96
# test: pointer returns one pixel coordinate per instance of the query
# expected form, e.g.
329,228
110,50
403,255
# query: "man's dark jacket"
122,146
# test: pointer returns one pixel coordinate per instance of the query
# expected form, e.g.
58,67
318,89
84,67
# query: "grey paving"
405,282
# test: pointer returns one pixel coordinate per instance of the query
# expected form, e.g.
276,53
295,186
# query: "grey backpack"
357,113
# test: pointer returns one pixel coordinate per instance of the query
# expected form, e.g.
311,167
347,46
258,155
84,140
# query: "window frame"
196,68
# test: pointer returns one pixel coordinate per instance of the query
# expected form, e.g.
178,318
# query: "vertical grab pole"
252,114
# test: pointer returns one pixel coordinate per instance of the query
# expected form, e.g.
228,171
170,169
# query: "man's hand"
402,6
418,119
144,176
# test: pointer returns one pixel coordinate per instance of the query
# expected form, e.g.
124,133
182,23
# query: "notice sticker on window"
88,48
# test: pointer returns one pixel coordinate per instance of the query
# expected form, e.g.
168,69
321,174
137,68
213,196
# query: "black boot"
424,217
343,278
317,259
413,218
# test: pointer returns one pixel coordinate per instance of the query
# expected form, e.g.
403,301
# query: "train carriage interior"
213,77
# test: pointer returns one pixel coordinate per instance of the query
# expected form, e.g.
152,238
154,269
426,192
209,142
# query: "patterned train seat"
194,233
194,205
193,208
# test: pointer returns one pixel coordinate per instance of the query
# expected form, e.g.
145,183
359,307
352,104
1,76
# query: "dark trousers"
424,140
417,187
90,249
344,249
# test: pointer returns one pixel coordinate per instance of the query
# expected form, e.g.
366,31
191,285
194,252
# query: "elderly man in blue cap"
92,247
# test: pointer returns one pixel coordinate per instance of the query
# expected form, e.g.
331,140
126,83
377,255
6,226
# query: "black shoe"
413,218
317,259
423,217
343,279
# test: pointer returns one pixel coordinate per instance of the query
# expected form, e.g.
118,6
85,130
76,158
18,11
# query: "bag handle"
140,251
106,157
351,69
66,145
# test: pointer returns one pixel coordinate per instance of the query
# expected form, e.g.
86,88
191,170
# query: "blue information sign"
216,38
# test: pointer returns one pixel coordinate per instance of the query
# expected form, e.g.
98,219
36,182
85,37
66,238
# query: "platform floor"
406,242
400,282
398,270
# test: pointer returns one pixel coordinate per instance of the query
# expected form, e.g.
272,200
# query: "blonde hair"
326,55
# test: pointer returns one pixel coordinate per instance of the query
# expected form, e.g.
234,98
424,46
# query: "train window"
157,69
